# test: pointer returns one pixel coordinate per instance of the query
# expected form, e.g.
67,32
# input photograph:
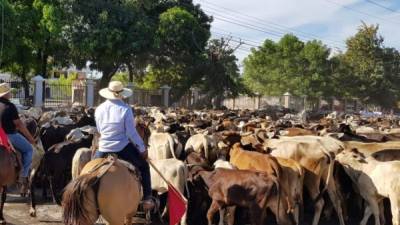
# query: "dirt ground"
16,212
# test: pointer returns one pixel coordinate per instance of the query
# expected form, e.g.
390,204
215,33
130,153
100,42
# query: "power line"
238,39
246,25
261,29
381,6
275,26
236,35
361,12
248,51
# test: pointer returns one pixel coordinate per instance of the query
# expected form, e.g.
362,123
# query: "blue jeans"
25,148
132,155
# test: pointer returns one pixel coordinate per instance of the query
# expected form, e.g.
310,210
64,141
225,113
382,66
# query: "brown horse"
105,186
10,167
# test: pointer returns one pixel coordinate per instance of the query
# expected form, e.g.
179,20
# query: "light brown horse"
106,188
10,167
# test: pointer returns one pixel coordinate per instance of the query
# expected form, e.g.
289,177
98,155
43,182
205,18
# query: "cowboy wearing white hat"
116,124
11,124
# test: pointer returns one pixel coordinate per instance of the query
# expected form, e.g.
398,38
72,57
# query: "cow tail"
206,150
186,173
171,146
276,181
330,171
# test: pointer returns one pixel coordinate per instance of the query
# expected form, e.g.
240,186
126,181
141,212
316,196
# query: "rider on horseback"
116,125
11,124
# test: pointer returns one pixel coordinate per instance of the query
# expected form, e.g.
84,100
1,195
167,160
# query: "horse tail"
77,211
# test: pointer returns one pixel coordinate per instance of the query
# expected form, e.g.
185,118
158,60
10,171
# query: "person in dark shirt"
13,127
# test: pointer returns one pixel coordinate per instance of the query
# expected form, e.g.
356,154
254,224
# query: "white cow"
223,164
201,143
375,180
164,146
81,157
175,171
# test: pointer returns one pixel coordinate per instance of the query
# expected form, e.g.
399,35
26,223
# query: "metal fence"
20,95
140,97
63,95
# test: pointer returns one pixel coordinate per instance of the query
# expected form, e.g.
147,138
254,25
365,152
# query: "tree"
178,56
374,68
107,33
221,77
289,65
36,38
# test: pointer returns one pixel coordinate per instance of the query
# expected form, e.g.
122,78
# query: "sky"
331,21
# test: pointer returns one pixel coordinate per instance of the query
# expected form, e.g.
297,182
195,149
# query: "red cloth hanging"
4,140
177,205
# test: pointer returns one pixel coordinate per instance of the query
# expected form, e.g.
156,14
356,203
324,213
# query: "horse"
106,186
115,182
10,167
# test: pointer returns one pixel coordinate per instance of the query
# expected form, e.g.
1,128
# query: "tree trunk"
107,75
130,72
44,58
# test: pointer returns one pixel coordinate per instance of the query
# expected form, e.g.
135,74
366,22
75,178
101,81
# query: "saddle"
110,159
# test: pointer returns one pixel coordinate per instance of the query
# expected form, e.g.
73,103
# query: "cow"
175,172
246,160
375,180
223,164
57,164
292,177
164,146
371,148
232,188
81,157
295,131
316,155
204,144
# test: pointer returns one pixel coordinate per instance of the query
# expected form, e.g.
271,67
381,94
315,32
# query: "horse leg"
3,200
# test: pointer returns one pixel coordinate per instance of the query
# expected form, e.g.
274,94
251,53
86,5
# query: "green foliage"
63,85
375,69
222,77
121,76
289,65
108,33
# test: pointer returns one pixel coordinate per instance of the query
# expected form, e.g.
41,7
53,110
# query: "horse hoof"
32,212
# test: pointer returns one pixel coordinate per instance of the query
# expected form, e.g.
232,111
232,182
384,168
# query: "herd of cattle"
249,166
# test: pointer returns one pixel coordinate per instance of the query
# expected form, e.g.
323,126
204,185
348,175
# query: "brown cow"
244,188
247,160
316,155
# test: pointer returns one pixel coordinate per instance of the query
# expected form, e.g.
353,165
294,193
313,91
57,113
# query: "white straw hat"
115,90
4,89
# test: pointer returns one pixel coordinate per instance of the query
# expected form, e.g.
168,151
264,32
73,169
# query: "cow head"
351,158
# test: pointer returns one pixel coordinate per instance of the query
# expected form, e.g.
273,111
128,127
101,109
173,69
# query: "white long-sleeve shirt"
116,124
